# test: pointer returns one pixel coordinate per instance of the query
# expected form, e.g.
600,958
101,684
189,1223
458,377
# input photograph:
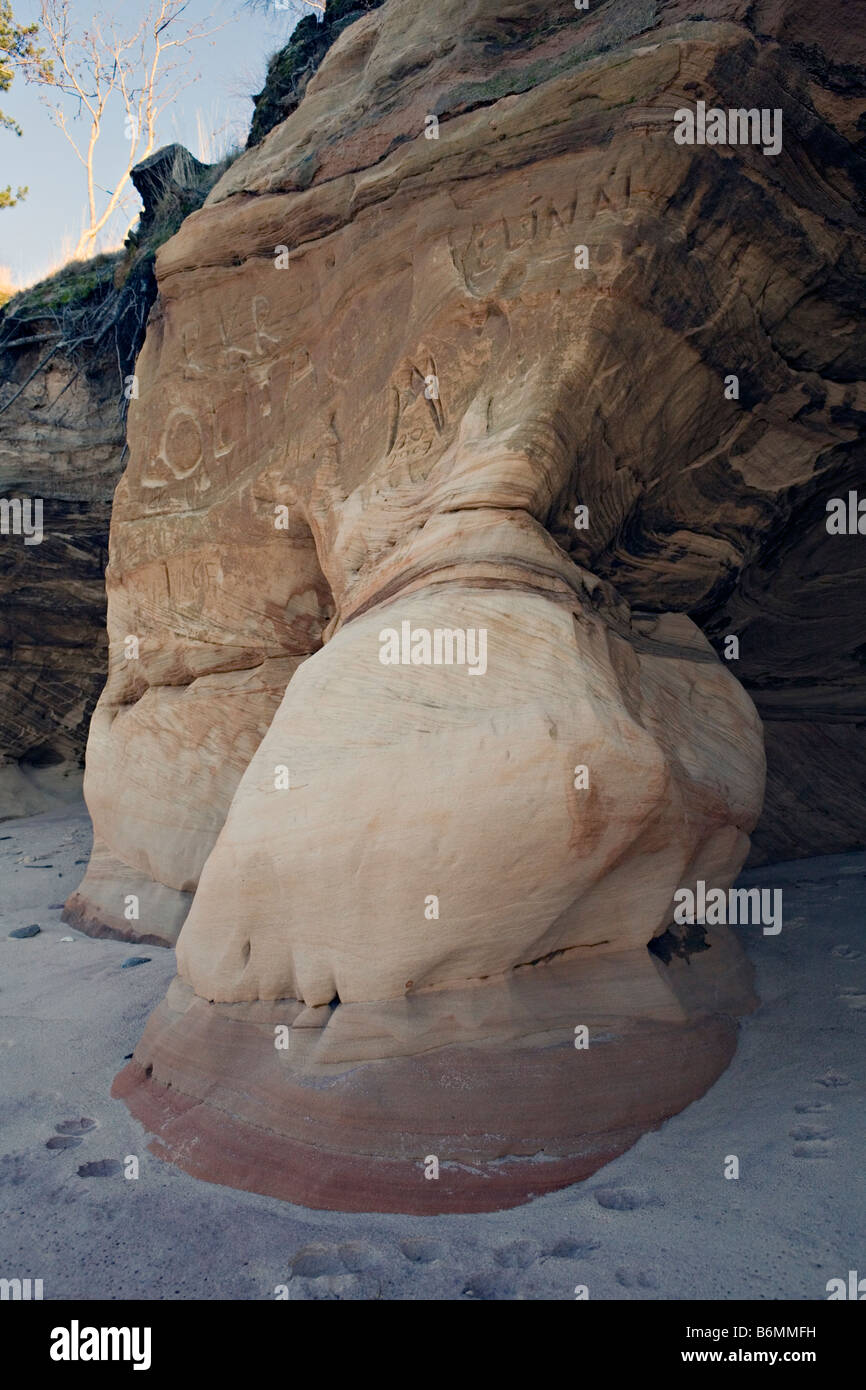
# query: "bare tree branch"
97,67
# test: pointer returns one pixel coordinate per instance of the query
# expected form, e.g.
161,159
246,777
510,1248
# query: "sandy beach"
661,1222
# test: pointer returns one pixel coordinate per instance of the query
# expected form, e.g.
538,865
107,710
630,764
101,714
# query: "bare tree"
298,9
95,65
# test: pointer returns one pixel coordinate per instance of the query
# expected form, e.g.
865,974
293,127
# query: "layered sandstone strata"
61,441
386,373
67,349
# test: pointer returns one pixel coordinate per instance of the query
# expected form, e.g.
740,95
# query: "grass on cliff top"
78,281
291,68
73,284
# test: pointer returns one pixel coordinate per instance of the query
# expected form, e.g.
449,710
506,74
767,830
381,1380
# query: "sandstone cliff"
469,288
61,441
67,349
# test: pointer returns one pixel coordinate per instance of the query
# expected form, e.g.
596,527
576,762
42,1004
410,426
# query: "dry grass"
11,285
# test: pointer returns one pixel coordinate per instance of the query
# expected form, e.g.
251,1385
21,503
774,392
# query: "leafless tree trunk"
301,8
93,64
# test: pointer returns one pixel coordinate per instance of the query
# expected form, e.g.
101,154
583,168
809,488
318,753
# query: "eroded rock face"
439,777
67,349
386,428
61,441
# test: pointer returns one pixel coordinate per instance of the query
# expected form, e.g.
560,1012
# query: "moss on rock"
291,68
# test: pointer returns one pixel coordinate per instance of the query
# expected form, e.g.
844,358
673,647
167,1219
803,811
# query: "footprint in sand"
488,1286
568,1249
325,1272
812,1141
315,1260
14,1170
806,1132
854,998
625,1198
101,1168
812,1107
69,1133
833,1079
845,952
81,1126
517,1254
357,1256
421,1251
814,1148
637,1278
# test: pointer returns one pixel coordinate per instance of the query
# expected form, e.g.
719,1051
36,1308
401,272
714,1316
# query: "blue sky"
37,235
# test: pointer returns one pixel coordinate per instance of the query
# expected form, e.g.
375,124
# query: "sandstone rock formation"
66,347
61,441
290,70
392,359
